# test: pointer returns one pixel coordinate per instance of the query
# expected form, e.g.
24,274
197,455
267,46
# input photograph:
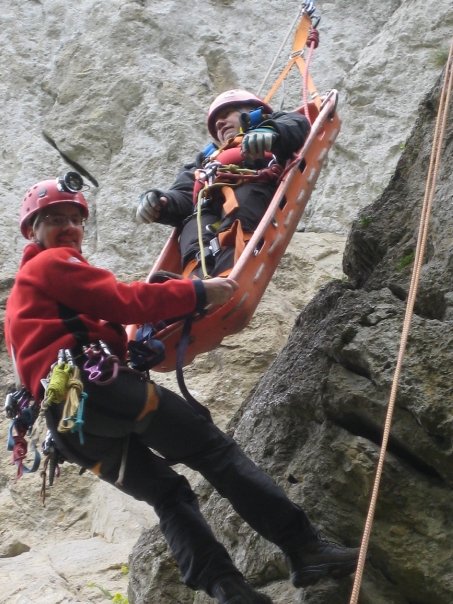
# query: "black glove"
257,142
149,206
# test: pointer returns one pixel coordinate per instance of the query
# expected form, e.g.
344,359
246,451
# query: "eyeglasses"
61,220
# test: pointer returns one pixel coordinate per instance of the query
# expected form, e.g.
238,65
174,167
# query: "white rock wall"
123,88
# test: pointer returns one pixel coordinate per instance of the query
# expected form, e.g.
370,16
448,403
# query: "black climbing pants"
180,435
253,199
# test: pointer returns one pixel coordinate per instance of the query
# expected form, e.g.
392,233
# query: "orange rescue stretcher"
254,268
262,253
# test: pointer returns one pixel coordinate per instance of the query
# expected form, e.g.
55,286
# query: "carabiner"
93,367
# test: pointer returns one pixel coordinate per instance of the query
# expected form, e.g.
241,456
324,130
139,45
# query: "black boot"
235,590
320,558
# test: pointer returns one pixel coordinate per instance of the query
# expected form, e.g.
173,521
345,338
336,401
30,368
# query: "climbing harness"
217,179
439,134
64,386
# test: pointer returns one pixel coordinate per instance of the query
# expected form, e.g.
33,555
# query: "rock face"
123,87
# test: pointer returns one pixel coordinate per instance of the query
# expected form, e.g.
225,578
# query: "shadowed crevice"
359,425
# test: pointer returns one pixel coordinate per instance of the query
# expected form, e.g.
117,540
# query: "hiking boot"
235,590
320,558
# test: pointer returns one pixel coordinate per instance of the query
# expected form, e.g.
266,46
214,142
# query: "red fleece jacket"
57,292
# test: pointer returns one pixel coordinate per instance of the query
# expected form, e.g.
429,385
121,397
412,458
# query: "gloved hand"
257,142
149,206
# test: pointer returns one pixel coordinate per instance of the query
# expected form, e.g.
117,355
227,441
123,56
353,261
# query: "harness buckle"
212,249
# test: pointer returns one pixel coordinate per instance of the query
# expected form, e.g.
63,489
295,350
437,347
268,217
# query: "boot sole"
312,574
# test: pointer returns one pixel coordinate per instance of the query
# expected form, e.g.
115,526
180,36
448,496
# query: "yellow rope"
65,386
73,396
58,384
421,245
204,267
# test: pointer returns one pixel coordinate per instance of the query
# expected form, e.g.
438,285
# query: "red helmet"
50,192
233,97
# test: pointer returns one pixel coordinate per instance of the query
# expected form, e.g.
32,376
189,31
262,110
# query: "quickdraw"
18,445
23,411
53,460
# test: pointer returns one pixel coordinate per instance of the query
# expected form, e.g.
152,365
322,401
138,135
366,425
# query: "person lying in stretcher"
227,189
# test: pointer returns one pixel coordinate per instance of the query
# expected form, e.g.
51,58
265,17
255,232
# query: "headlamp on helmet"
71,182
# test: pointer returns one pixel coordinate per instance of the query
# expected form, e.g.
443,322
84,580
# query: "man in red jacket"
59,302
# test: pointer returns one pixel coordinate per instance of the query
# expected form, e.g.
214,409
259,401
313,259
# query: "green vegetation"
116,598
440,57
365,221
120,599
406,260
124,569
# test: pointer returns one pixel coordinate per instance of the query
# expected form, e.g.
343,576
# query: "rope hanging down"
420,251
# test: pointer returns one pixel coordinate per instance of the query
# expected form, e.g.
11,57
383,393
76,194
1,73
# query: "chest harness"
222,172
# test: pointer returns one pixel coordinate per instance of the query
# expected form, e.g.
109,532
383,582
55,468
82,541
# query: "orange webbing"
231,203
96,469
189,268
151,403
300,40
234,236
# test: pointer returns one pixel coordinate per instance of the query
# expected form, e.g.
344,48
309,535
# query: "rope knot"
313,37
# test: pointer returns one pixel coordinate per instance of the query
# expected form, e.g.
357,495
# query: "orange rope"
439,134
